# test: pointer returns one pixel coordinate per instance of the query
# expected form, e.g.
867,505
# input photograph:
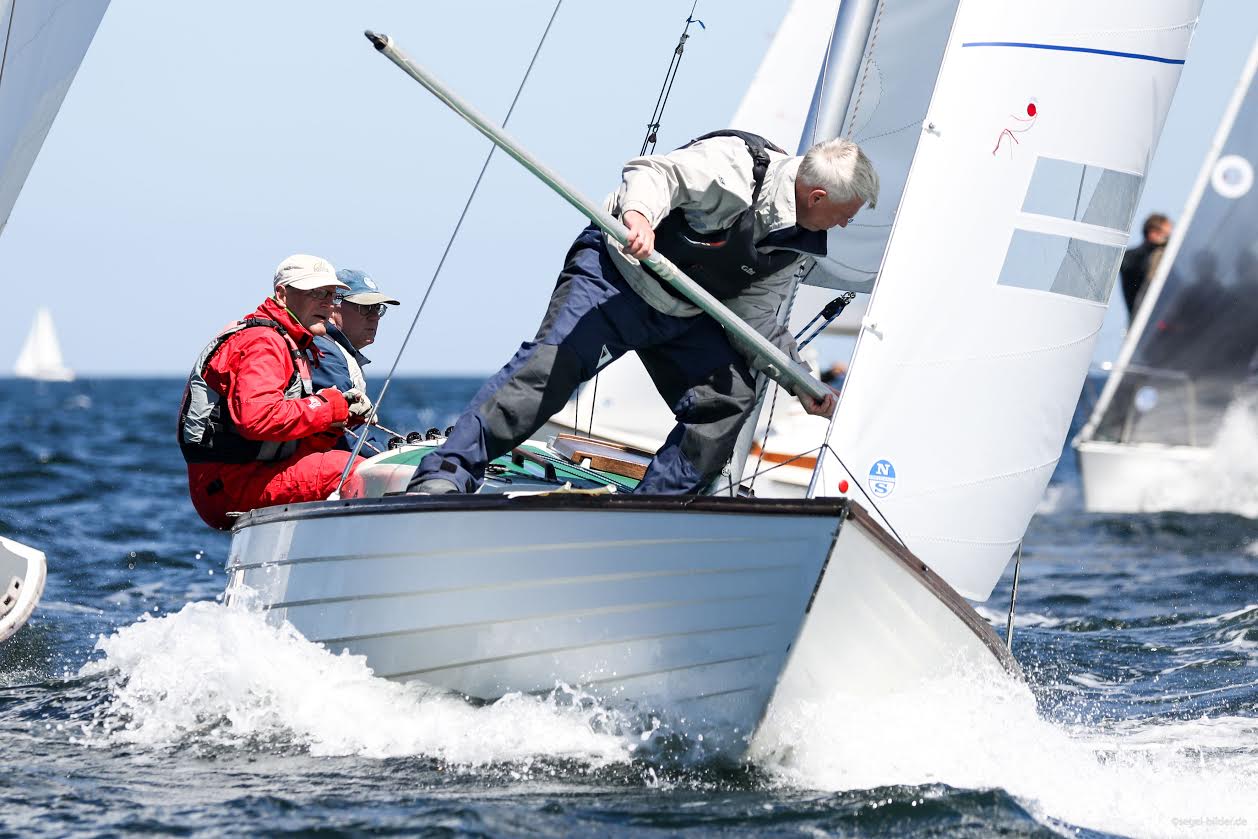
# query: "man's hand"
359,406
822,407
641,235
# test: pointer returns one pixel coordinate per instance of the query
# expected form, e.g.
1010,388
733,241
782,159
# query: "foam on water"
1153,777
222,675
1227,481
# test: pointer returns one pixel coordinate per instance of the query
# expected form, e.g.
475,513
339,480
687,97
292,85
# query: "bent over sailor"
738,215
252,429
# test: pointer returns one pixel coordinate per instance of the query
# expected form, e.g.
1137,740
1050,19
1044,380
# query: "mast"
838,74
826,116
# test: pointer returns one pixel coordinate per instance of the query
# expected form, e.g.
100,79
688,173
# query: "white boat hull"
684,608
22,573
1138,477
880,622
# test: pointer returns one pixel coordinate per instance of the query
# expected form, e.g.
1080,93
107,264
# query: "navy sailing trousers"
595,316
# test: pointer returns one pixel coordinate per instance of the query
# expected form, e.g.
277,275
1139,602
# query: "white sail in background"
1194,340
40,357
42,43
1004,252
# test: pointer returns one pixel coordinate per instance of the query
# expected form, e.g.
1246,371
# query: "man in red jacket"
252,429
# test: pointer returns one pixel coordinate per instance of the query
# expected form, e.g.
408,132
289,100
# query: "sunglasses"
367,310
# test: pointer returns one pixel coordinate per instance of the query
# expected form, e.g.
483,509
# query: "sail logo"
882,478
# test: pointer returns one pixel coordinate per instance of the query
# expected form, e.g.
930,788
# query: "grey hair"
840,168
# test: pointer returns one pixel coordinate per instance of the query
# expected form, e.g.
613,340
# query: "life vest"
207,433
727,262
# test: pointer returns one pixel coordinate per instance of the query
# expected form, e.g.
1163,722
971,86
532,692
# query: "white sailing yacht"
40,357
990,290
1189,365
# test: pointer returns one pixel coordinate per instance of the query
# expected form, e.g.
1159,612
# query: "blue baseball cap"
362,288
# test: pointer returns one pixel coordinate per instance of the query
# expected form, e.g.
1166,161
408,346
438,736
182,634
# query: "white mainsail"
1003,255
40,357
42,44
1193,342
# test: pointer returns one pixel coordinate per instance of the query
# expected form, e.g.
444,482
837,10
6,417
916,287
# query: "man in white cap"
252,429
353,325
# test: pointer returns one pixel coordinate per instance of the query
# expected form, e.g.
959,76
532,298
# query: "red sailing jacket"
251,371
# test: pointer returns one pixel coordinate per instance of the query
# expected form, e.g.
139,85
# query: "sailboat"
22,573
40,357
1189,364
718,612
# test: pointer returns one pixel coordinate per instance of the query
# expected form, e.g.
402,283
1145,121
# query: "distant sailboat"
41,354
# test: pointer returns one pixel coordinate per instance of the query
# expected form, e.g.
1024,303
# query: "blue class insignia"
881,479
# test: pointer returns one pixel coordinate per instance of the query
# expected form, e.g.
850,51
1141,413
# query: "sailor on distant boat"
736,213
252,428
355,319
1141,262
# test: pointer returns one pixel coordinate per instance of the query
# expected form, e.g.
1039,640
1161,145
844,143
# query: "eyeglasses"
319,294
367,310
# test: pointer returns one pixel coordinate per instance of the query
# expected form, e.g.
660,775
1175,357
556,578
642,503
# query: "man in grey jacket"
740,216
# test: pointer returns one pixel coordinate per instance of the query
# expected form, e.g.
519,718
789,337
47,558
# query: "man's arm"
256,366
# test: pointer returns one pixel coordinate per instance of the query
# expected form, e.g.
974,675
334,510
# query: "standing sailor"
252,428
738,215
352,326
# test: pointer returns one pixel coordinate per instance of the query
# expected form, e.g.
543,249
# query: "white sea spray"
220,675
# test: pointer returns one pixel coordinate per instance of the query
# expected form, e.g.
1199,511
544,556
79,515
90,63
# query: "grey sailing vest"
207,433
727,262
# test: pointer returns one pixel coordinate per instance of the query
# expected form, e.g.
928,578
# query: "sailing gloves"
359,406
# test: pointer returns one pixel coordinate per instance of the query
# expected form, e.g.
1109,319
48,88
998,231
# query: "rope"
860,90
445,253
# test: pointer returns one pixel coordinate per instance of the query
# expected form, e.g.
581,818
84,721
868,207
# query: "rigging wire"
1013,599
648,147
445,253
661,102
830,311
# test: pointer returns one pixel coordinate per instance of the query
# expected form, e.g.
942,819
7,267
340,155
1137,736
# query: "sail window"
1061,264
1078,192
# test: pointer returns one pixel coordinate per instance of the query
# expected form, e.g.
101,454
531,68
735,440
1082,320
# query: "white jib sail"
42,44
1001,262
40,357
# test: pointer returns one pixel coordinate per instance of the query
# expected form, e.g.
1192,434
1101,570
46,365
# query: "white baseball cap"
304,272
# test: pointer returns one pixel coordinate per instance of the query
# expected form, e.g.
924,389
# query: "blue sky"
196,149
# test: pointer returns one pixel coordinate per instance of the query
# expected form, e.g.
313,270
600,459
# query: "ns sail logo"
881,479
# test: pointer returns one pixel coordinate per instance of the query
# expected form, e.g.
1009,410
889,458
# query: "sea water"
136,701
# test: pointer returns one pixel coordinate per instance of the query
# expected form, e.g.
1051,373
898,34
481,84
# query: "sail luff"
1152,294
